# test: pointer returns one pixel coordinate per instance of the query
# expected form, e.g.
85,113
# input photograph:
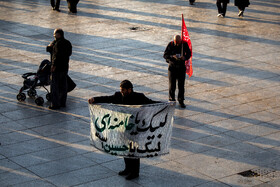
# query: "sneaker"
220,15
132,176
124,172
240,14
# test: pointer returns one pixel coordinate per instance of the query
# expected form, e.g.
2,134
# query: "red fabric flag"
186,38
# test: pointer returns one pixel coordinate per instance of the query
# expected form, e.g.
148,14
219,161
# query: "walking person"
241,5
222,7
176,53
126,96
61,50
55,5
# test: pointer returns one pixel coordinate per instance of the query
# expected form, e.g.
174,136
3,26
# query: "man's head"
177,39
126,87
58,33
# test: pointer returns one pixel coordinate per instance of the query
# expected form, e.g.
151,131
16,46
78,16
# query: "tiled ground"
232,120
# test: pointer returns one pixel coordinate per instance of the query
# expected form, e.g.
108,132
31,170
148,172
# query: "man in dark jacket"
61,50
176,53
126,96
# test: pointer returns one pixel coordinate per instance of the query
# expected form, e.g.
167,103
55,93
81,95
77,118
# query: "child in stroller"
35,80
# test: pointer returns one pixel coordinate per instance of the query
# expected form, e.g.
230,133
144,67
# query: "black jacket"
60,53
133,98
172,49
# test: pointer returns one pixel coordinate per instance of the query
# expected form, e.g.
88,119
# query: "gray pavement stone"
231,122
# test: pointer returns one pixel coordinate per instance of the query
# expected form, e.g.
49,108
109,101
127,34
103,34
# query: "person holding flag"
177,54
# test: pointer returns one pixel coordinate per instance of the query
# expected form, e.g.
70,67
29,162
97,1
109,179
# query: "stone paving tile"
231,122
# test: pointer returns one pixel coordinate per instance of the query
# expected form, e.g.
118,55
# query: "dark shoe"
124,172
54,107
182,105
191,3
132,176
56,9
172,99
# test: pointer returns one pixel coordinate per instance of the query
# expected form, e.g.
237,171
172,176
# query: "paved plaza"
228,135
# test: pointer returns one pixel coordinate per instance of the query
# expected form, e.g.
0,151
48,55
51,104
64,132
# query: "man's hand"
91,100
52,68
175,57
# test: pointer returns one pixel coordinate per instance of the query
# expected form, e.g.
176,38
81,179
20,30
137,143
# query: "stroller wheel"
39,101
31,92
48,96
21,97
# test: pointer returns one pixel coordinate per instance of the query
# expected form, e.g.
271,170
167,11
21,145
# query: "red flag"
186,38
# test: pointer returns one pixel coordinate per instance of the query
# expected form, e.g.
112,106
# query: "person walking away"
222,7
175,54
241,5
55,5
61,50
126,96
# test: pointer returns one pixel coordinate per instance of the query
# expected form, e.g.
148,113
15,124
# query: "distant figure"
222,7
192,2
72,5
61,50
175,54
55,5
241,4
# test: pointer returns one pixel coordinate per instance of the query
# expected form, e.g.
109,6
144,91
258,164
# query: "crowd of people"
222,6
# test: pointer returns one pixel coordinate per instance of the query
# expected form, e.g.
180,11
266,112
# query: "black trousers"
72,5
55,3
241,8
59,89
192,1
222,8
177,75
132,165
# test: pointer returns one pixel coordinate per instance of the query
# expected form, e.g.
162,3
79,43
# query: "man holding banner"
126,96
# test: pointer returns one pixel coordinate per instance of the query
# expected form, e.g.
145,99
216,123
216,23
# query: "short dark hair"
60,31
126,84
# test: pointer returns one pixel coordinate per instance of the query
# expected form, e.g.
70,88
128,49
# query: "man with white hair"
176,53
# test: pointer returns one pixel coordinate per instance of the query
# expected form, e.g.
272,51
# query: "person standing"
55,5
241,4
222,7
176,53
126,96
61,50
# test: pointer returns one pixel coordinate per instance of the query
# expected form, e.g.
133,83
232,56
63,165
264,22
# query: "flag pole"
182,36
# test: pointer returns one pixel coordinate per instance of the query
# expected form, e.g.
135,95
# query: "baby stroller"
36,80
